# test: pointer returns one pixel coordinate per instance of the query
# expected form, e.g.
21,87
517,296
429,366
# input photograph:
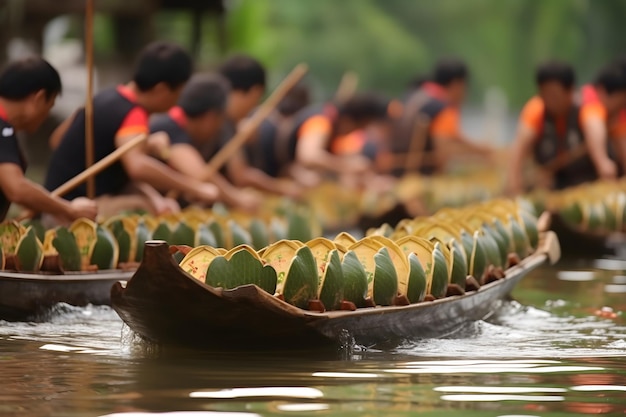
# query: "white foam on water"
293,392
500,390
595,388
615,288
496,397
182,414
303,407
577,276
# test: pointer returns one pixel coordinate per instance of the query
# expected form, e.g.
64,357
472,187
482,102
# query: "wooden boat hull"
165,305
25,296
578,243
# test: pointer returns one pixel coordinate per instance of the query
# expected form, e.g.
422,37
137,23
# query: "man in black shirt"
28,90
192,128
121,113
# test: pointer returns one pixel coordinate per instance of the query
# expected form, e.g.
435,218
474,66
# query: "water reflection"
560,349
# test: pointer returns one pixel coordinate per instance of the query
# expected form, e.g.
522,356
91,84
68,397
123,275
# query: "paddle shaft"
418,139
252,124
89,141
347,86
99,166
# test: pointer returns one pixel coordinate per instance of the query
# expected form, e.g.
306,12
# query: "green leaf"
29,252
459,264
530,226
355,278
385,279
105,250
417,280
205,236
239,234
183,234
332,292
218,234
123,239
302,281
142,235
299,227
242,269
69,254
40,231
259,234
163,232
439,286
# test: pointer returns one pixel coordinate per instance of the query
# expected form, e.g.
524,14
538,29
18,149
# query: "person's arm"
143,168
187,160
447,134
242,175
595,133
20,190
58,133
520,151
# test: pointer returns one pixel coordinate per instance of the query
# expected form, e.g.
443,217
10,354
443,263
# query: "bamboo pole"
252,124
100,166
347,86
419,136
89,139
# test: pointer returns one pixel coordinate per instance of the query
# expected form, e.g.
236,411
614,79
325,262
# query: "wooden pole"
89,140
347,86
252,124
419,136
100,166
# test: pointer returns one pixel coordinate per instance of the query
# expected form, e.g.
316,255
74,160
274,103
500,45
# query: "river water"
559,349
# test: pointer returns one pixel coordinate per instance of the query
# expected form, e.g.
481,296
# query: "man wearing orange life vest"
606,101
430,124
325,140
554,128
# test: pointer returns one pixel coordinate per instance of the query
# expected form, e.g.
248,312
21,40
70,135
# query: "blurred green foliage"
388,42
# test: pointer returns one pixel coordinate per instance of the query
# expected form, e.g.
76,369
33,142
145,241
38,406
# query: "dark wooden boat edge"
29,296
576,242
165,305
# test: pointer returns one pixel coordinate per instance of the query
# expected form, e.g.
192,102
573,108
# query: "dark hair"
295,100
19,79
162,62
448,70
204,93
559,71
611,78
364,107
243,72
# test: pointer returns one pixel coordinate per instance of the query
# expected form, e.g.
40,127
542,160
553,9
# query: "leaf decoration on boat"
238,267
29,251
65,244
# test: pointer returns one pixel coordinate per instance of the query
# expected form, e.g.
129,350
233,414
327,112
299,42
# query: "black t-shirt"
10,153
166,123
110,109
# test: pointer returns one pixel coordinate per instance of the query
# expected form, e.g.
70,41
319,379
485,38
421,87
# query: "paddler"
195,123
551,126
120,114
268,151
430,124
604,102
330,140
28,90
247,80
